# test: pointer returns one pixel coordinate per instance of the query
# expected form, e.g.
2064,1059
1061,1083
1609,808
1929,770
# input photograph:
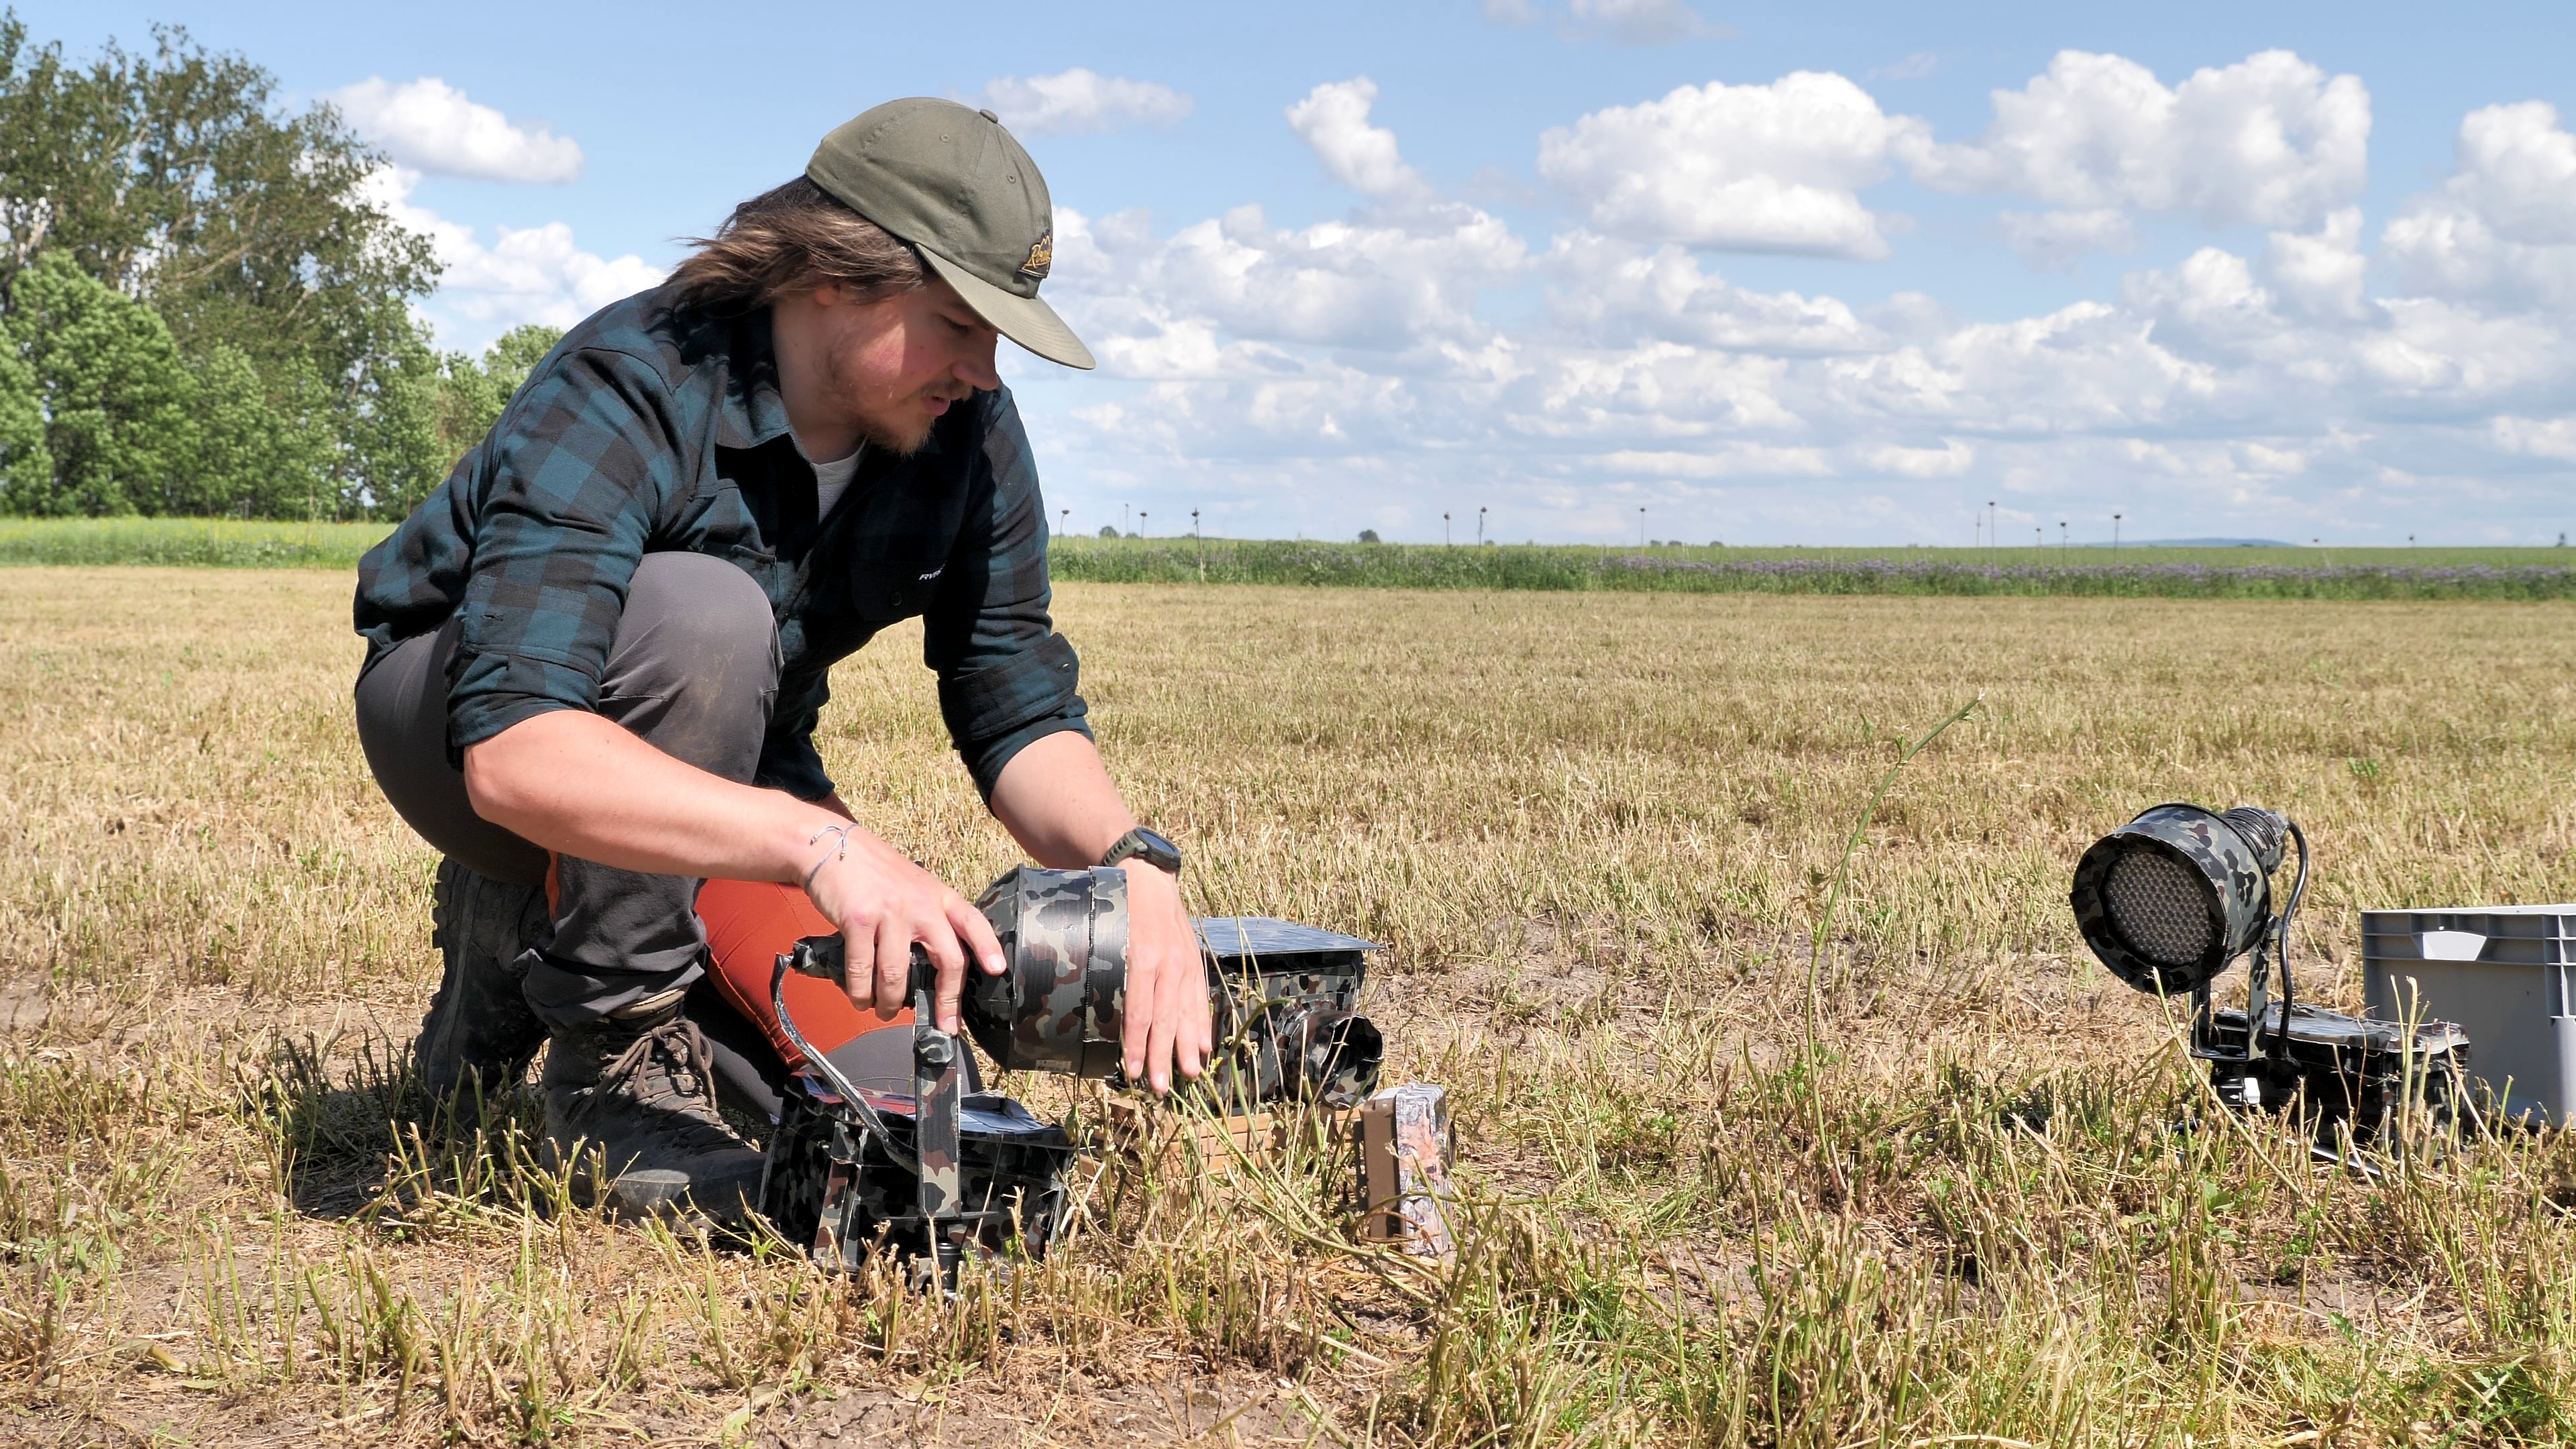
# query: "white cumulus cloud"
429,125
2322,274
1759,168
1333,120
527,274
1611,293
2517,169
1950,460
2537,437
2501,231
1382,369
1082,101
2271,140
1162,302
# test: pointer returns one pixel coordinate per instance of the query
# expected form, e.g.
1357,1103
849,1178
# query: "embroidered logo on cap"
1041,257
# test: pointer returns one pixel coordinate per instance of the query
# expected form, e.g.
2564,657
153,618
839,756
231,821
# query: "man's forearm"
1056,800
583,786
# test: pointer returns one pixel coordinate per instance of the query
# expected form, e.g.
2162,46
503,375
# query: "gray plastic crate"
2506,975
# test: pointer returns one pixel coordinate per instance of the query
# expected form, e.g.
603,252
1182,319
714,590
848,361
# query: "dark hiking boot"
638,1089
479,1024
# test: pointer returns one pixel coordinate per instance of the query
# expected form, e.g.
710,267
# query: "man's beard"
879,434
875,431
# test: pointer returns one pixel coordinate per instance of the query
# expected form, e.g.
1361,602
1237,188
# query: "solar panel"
1232,938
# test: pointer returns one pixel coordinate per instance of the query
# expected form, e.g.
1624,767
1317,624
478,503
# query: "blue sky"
1780,274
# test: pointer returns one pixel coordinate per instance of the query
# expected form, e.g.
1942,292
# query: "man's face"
896,364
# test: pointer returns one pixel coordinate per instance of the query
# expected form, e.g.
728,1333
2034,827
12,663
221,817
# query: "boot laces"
669,1069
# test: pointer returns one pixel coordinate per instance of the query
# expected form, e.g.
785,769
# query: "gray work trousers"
694,672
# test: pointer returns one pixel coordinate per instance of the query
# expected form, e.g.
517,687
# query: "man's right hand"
575,783
883,904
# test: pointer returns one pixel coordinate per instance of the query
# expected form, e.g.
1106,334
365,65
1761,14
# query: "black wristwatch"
1147,846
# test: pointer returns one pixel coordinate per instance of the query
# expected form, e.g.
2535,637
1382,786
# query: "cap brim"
1025,320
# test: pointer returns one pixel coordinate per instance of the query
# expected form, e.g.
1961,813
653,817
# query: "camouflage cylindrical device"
2167,900
2170,899
1060,1002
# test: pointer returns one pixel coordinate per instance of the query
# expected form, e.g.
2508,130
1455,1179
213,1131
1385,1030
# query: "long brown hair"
788,239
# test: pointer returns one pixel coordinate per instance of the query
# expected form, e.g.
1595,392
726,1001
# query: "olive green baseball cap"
954,184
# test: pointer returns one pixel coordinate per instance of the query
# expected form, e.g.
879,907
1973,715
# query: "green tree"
123,423
471,395
254,458
172,177
389,420
115,397
25,462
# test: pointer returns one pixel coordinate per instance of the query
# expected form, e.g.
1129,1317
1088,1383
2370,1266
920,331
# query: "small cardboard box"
1404,1169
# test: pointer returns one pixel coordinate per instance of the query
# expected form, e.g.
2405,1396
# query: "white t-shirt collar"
832,479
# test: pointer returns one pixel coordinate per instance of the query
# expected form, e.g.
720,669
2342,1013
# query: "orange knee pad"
750,924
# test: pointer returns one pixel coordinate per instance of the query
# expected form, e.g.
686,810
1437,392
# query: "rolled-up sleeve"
580,473
1006,678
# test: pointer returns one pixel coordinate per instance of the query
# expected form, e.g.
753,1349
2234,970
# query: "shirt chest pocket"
883,590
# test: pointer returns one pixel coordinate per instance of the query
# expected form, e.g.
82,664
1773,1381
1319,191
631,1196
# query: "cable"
832,1074
2298,888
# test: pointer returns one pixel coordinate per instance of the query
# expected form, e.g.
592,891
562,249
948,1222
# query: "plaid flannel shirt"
646,431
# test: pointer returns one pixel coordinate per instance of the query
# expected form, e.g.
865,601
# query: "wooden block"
1149,1134
1404,1169
1169,1138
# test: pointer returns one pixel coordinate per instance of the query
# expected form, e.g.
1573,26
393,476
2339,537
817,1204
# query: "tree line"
202,313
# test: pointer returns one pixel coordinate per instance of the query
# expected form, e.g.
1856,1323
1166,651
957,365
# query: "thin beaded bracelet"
840,850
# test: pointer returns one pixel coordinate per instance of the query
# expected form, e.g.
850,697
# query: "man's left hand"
1056,798
1167,994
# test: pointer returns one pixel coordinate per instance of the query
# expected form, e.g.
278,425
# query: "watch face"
1149,847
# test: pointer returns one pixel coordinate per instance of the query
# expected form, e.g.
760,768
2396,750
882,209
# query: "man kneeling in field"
597,652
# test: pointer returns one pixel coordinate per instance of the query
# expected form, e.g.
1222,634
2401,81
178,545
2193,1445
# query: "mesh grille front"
2159,906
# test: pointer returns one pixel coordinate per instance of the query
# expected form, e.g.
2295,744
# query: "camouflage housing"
1059,1005
1286,1000
832,1187
2142,898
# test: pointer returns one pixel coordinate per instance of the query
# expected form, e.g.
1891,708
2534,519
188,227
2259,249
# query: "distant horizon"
323,543
2103,545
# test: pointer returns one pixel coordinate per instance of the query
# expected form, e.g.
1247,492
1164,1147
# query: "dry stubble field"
1595,829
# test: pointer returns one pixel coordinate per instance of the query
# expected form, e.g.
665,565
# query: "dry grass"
1595,828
